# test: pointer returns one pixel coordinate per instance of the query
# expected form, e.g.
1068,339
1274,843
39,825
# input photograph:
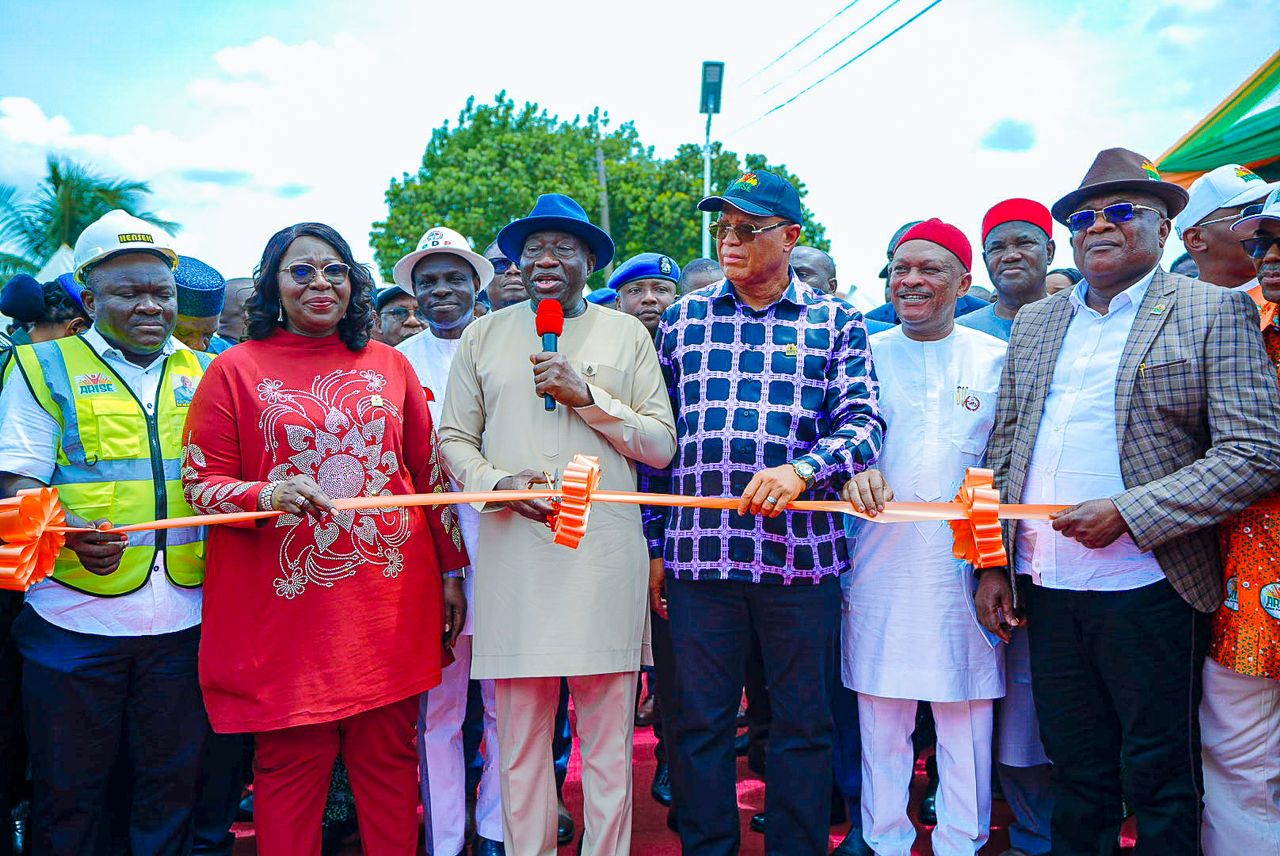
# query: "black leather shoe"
853,845
929,805
673,821
244,811
564,826
485,847
757,822
661,789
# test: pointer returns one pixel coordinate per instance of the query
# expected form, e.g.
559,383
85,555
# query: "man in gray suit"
1145,401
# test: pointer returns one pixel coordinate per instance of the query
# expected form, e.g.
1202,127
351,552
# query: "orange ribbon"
33,524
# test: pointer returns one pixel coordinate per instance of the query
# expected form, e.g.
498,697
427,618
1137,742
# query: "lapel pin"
1159,310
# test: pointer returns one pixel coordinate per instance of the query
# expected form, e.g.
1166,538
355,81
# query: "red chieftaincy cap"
1023,210
944,235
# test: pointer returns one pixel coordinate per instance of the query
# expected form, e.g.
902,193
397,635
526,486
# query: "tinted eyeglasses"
746,232
1258,247
334,272
1119,212
402,313
502,264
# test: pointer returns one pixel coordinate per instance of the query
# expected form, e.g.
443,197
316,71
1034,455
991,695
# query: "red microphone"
549,321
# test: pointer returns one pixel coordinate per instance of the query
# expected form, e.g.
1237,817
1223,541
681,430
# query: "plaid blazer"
1197,420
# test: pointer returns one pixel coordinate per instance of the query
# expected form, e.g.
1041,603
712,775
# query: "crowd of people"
1125,661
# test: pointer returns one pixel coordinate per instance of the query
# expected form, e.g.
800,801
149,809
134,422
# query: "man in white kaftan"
910,631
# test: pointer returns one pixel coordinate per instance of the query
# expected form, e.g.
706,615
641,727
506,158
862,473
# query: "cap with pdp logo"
441,240
1228,186
1270,211
119,232
760,193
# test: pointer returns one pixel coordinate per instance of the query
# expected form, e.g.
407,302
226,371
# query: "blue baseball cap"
603,297
760,193
645,266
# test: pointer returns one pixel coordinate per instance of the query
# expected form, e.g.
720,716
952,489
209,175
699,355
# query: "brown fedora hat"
1116,170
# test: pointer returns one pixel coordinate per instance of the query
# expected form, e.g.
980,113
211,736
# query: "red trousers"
292,768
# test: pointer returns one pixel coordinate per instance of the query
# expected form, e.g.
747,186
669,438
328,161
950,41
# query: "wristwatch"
805,470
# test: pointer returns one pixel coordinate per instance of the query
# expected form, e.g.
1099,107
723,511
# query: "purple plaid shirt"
756,389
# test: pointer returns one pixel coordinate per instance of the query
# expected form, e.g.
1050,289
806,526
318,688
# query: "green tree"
489,168
67,199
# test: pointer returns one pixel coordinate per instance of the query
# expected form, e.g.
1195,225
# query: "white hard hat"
120,232
441,240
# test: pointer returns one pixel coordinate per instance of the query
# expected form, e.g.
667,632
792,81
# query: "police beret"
645,266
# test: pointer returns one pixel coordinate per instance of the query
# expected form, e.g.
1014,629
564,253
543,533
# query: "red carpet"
650,836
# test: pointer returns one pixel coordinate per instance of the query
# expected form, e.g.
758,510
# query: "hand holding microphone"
553,377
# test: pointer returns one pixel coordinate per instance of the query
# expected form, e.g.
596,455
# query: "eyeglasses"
1120,212
1258,247
745,232
502,264
564,252
303,272
402,313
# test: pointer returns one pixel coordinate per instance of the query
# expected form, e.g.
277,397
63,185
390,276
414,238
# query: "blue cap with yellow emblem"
645,266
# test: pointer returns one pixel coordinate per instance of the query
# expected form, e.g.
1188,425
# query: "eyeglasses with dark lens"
303,272
502,264
746,232
402,313
1258,247
1119,212
1250,210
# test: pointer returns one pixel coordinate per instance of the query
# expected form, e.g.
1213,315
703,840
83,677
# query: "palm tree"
67,199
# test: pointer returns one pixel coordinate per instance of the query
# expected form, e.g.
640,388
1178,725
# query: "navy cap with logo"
760,193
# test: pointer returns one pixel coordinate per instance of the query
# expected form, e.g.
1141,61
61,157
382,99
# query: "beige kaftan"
542,609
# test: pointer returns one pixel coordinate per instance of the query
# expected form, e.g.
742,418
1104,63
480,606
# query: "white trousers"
1240,745
604,708
444,772
964,773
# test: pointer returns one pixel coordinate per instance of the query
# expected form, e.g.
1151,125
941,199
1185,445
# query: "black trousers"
1116,679
711,627
664,685
13,746
88,697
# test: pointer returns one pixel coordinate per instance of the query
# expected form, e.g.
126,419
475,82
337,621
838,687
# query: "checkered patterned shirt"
757,389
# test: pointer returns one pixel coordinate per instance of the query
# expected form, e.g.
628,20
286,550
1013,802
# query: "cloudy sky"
248,116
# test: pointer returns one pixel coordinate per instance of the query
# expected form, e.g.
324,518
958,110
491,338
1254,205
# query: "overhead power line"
855,32
841,68
783,55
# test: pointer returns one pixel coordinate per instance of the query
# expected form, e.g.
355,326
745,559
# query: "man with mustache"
1018,247
441,280
543,611
506,288
1216,201
909,631
109,643
1146,403
1242,672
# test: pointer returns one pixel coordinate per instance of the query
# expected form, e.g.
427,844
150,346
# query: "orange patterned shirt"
1246,628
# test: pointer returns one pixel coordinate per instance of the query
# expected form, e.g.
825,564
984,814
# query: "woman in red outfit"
321,626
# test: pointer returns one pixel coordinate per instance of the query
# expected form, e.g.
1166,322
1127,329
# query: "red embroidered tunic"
1246,628
303,622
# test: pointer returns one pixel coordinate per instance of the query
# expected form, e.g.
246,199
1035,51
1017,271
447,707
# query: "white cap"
1228,186
120,232
440,240
1270,211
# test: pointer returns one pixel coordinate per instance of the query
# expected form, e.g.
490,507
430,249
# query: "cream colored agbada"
542,609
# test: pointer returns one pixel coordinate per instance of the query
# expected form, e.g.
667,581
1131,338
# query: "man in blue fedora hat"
542,611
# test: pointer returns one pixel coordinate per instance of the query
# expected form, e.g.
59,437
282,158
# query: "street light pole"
712,81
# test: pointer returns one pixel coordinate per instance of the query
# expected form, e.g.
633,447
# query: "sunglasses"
1258,247
402,313
1120,212
502,264
1247,211
303,273
745,232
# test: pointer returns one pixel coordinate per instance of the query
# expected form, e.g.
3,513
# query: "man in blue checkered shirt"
774,394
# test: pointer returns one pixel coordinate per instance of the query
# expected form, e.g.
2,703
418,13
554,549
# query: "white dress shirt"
431,358
29,447
1077,454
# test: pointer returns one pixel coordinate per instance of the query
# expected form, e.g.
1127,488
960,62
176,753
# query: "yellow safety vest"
116,462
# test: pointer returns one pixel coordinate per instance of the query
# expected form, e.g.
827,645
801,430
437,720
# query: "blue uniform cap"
603,297
645,266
